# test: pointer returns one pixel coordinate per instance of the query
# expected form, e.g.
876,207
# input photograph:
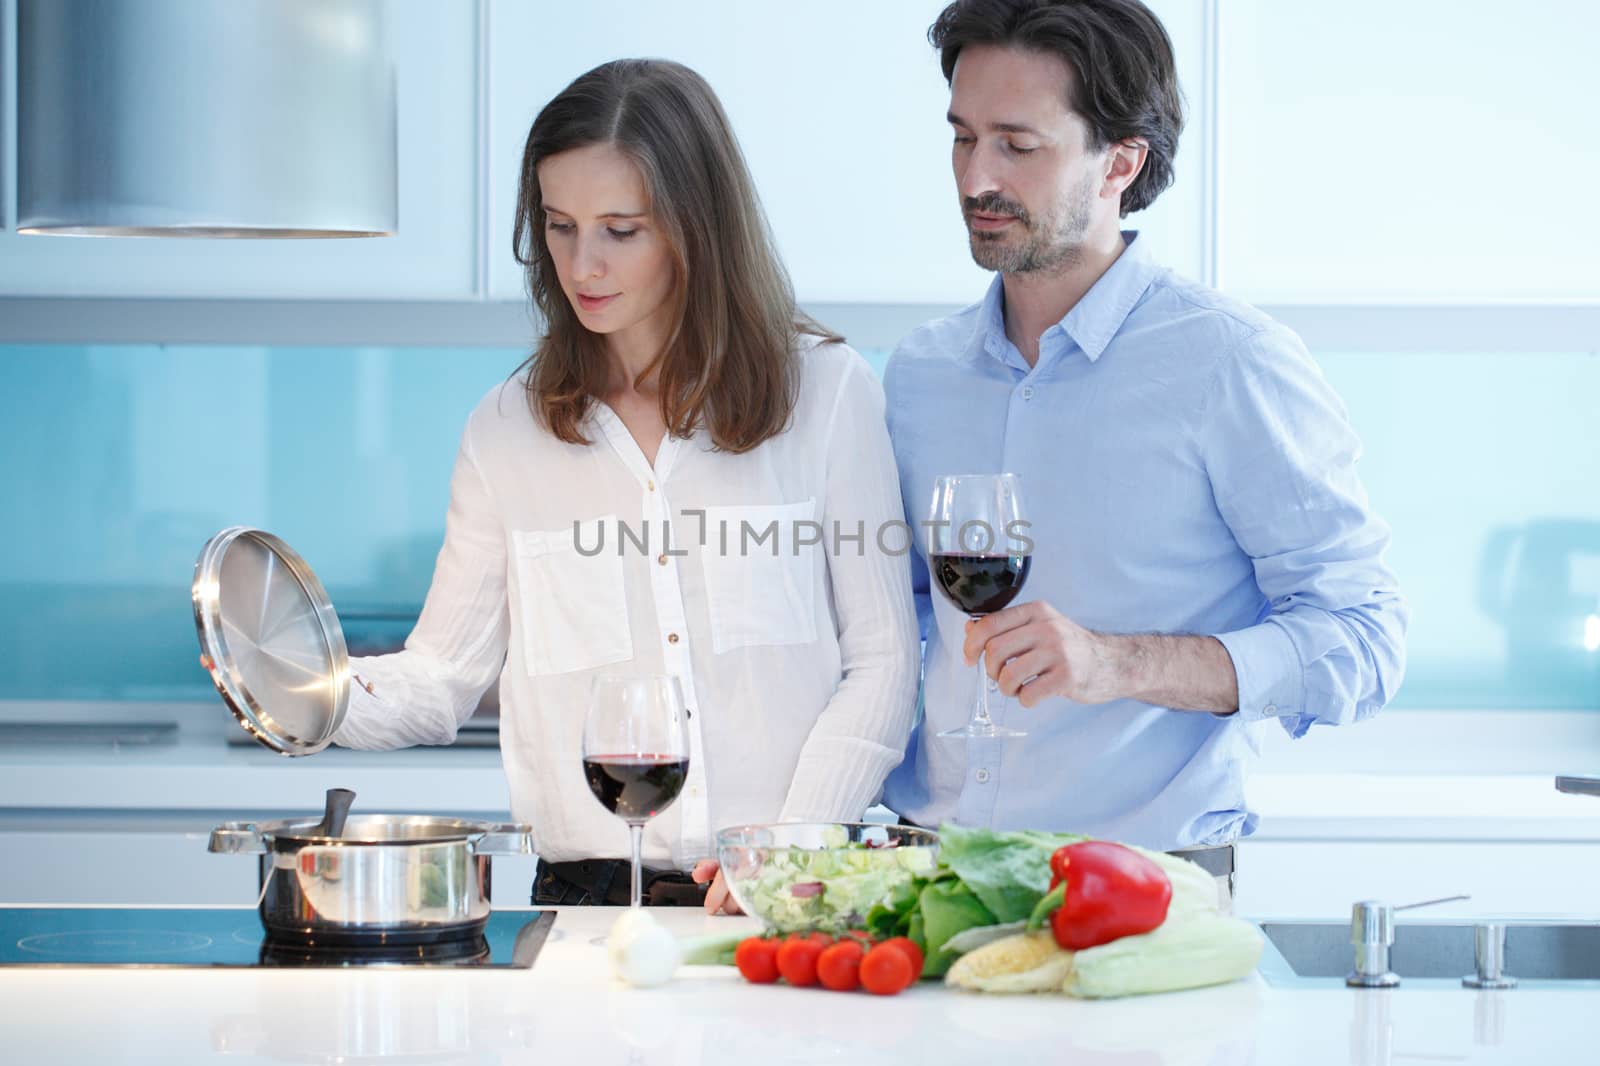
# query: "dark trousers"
609,882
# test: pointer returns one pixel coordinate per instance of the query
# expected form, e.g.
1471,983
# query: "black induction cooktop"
233,936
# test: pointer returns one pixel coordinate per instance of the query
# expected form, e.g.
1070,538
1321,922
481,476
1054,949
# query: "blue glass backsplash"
121,461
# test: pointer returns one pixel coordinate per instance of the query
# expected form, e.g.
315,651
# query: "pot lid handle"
241,838
506,838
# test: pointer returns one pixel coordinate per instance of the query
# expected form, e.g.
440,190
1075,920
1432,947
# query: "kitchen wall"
125,458
1366,188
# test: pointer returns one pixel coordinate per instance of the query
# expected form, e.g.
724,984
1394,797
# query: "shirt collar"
1093,321
990,336
600,416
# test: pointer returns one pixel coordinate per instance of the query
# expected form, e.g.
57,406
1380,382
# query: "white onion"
642,952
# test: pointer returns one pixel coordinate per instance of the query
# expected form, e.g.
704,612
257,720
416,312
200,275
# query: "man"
1204,558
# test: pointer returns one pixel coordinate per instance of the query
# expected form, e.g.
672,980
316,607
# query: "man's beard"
1049,244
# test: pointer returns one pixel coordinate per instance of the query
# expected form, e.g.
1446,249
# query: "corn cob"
1026,962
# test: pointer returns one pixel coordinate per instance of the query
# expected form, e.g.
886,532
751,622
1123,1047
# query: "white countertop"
567,1009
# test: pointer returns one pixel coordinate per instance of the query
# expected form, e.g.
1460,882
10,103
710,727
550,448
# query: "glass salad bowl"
800,876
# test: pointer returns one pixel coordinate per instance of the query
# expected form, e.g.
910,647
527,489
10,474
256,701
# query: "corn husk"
1192,952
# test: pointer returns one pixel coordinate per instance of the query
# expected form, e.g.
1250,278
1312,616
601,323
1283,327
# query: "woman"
676,384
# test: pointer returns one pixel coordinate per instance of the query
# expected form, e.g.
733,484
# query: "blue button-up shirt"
1186,469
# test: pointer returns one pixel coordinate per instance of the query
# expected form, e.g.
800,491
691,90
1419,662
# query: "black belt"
610,882
1217,860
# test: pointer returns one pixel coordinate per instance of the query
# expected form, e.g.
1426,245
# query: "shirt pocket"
759,587
574,606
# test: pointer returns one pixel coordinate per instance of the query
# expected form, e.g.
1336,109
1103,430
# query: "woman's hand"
718,899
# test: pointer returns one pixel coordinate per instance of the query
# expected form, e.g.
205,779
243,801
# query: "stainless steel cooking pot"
273,645
388,878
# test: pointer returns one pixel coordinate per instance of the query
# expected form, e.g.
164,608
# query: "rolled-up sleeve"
861,733
422,694
1281,455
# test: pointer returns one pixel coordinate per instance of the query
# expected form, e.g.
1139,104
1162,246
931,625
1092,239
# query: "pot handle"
237,838
507,838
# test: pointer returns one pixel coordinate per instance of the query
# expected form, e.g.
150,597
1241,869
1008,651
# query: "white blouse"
798,661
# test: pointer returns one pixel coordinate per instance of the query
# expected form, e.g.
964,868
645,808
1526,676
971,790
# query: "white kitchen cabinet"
83,821
839,106
433,257
164,865
1322,878
1388,153
1277,879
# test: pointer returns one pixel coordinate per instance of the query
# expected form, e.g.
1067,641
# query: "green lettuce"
983,878
898,915
1009,872
947,908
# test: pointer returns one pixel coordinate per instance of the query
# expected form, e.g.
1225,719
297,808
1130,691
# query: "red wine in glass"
979,563
635,788
980,584
636,752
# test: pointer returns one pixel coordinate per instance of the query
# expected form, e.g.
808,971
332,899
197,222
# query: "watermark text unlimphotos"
745,538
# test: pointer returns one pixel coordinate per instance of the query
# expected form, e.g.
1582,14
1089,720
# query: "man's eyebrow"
609,214
999,127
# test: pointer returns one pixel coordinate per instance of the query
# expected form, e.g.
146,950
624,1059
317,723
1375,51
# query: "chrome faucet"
1489,958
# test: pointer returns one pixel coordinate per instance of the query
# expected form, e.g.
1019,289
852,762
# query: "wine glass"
635,751
978,556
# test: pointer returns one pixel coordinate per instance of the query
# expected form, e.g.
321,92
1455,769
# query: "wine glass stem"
636,830
980,714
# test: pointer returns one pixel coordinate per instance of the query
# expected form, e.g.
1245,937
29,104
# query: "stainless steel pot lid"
372,830
271,641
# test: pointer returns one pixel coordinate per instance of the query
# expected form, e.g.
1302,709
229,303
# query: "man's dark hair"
1123,76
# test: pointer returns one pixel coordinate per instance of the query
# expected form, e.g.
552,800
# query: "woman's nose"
587,262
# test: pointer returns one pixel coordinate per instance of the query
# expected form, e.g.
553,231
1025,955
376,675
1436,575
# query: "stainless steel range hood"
204,118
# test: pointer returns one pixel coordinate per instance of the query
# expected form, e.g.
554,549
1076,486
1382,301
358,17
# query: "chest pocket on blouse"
574,606
760,590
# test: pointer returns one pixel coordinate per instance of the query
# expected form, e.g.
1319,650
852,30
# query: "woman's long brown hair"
729,363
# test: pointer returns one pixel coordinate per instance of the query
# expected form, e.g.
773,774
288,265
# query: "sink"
1535,950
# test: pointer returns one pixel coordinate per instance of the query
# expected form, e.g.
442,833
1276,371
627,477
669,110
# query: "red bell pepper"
1109,892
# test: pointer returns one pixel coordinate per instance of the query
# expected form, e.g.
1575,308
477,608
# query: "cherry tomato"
886,970
839,965
912,952
757,959
797,958
819,938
